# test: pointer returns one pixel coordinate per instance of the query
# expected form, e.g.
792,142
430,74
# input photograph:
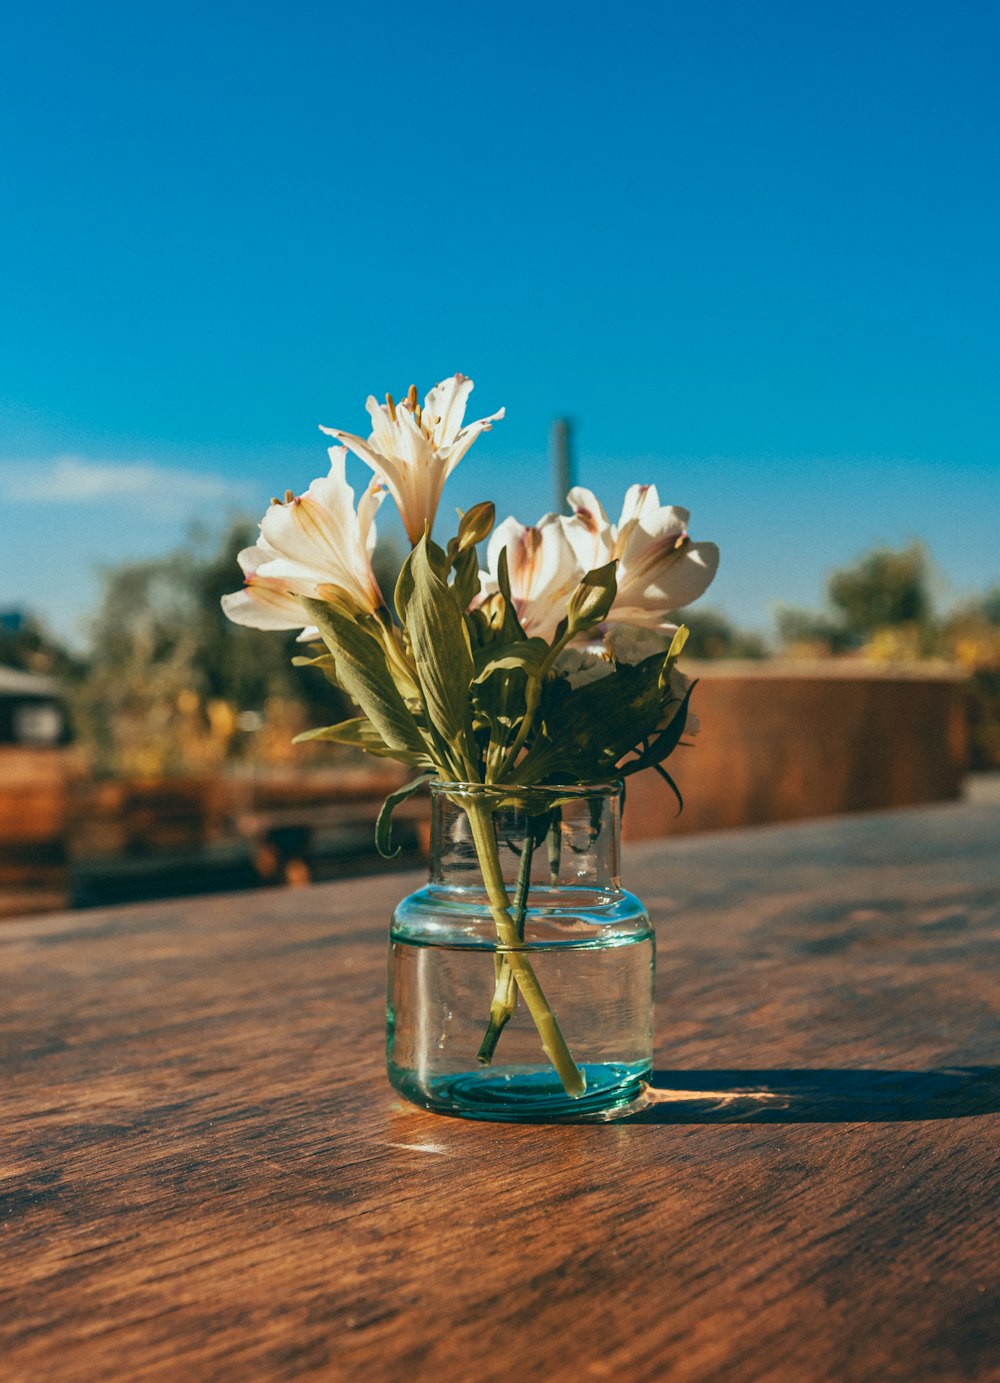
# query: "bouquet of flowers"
556,664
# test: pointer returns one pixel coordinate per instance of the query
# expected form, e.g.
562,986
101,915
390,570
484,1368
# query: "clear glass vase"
521,976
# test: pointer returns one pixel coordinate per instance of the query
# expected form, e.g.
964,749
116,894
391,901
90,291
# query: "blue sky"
750,248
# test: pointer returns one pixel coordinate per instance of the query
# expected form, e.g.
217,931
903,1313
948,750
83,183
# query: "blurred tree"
25,643
713,636
971,637
805,632
171,682
881,590
880,603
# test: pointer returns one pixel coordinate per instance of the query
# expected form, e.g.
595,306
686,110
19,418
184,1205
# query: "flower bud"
591,601
475,525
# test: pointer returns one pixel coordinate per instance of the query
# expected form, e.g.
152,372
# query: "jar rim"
610,788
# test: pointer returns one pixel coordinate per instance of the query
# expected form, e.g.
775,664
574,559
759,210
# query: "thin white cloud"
159,491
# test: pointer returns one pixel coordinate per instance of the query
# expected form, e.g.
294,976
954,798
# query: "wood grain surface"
208,1178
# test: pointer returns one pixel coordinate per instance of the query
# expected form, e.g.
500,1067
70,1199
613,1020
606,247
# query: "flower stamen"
392,407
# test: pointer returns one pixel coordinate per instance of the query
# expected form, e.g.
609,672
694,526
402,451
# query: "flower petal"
504,535
368,506
543,568
414,454
632,643
383,429
582,665
463,440
444,409
260,607
588,529
310,541
682,580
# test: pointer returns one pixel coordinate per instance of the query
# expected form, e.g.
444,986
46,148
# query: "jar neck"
565,837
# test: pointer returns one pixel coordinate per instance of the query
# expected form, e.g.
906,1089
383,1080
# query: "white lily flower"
582,665
543,567
307,544
414,449
262,604
631,645
659,567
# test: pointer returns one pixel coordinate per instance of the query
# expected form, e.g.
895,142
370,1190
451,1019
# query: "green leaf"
465,583
677,642
442,653
661,772
664,743
362,671
503,576
404,589
585,731
324,662
360,733
509,626
673,653
383,826
526,654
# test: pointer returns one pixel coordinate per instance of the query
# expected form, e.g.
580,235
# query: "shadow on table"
819,1096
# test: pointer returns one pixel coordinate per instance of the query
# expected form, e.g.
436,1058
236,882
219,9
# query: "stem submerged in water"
573,1080
504,1004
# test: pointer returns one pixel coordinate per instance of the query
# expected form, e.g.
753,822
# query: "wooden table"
209,1179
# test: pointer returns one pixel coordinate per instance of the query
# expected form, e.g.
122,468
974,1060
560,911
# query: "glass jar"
521,975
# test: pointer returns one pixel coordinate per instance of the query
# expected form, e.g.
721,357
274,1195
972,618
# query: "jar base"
527,1094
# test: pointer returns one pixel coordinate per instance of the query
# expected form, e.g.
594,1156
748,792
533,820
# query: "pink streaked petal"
639,499
588,530
284,574
259,607
588,508
674,582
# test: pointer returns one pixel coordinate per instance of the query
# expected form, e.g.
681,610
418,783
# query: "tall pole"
561,452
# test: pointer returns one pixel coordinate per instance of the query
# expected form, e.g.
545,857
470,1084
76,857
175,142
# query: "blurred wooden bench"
283,833
34,799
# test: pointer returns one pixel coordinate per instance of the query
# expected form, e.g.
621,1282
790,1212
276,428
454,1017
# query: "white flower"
413,450
543,568
659,567
307,544
633,645
262,603
582,665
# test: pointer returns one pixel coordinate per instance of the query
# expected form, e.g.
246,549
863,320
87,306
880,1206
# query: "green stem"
504,1004
532,696
554,1044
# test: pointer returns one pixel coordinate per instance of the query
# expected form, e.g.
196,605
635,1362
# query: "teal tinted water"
524,1094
